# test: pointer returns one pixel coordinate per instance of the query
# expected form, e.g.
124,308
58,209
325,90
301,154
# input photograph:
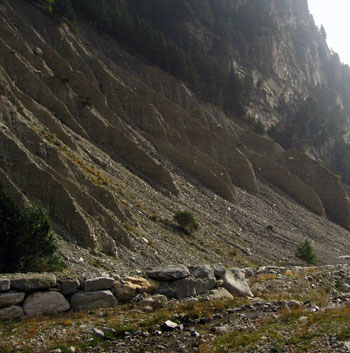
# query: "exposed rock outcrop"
325,183
290,183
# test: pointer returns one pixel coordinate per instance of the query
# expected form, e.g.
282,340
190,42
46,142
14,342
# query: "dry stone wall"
37,294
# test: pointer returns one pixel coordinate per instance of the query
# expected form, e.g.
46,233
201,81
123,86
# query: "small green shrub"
27,242
186,221
306,253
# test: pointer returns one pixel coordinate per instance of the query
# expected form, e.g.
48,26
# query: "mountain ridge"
113,147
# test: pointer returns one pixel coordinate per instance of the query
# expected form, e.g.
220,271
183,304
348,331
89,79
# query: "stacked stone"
38,294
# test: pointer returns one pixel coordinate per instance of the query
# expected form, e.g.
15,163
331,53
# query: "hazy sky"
334,16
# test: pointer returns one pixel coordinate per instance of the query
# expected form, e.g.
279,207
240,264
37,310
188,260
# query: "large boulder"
169,273
236,284
129,287
98,283
11,312
33,282
200,281
39,303
9,299
185,287
93,300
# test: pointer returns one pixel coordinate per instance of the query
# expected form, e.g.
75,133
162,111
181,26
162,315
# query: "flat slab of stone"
186,287
236,284
33,282
10,299
4,284
39,303
98,283
219,294
169,273
70,286
11,312
93,300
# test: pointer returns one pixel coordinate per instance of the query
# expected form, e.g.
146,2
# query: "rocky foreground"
295,309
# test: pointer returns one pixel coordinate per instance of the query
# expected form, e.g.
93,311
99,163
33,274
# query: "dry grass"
75,329
286,330
293,274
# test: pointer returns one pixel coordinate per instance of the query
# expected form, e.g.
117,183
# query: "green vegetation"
186,221
306,253
27,242
301,336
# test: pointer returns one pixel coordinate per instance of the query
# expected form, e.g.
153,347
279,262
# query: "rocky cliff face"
113,147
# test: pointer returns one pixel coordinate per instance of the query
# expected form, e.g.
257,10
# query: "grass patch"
286,331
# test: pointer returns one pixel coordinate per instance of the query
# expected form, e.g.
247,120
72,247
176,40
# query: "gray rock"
345,287
33,282
69,287
169,273
206,273
93,300
347,345
98,283
219,282
9,299
11,312
194,333
38,51
186,287
219,294
39,303
220,329
4,284
236,284
294,304
219,270
157,299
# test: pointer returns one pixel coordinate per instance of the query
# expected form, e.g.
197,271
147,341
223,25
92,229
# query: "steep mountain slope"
113,146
